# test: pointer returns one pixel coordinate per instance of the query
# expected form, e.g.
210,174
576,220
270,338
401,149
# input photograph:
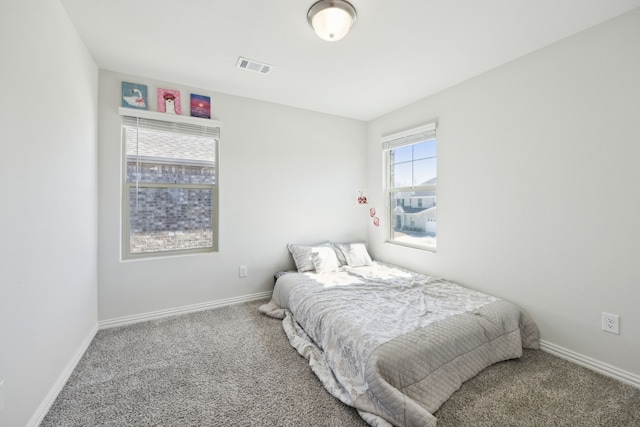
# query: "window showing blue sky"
414,164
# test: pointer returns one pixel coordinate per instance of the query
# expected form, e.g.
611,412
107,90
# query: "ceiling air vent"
250,65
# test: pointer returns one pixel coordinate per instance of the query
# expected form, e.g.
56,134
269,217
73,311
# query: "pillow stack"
328,257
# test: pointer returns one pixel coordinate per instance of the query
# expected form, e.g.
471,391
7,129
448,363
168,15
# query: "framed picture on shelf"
134,95
168,101
200,106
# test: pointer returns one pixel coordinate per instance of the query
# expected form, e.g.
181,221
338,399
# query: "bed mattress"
393,343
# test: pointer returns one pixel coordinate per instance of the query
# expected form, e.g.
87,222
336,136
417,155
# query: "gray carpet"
233,366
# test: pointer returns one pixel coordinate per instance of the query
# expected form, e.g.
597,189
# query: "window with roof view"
170,188
411,186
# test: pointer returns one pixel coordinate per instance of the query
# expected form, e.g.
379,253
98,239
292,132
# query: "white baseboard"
135,318
587,362
57,387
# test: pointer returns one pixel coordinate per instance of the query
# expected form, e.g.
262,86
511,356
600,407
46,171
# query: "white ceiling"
398,51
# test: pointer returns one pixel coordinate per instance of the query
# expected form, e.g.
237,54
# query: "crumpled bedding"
393,343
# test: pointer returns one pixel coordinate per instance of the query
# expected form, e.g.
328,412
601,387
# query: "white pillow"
355,253
302,256
339,253
324,259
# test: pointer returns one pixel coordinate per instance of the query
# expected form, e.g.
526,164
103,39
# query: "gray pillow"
302,256
324,259
341,258
355,254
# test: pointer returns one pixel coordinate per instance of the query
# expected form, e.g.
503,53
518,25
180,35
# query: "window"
411,167
170,194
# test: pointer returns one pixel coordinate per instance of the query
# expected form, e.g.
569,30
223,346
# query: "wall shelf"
176,118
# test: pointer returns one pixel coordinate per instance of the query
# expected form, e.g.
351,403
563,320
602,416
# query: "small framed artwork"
169,101
200,106
134,95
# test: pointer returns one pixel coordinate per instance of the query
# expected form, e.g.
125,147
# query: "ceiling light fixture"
331,19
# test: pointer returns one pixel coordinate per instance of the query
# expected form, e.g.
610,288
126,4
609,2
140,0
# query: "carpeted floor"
233,366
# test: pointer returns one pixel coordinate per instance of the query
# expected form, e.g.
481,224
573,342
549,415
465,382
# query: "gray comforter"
393,343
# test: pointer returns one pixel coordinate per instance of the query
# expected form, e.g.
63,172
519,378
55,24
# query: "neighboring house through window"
411,167
170,186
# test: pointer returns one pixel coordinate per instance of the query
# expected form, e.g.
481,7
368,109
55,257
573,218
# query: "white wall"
48,214
286,175
539,187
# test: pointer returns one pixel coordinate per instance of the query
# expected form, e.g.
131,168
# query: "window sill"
432,249
165,255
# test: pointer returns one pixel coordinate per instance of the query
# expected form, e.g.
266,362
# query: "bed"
393,343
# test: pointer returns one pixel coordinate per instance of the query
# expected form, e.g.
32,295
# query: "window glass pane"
402,154
402,175
169,173
170,219
424,172
154,156
424,150
411,223
412,214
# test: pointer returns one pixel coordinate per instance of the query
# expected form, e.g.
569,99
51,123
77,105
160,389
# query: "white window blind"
168,126
400,139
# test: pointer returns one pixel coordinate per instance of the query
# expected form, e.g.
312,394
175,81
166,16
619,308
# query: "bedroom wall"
48,182
538,198
286,175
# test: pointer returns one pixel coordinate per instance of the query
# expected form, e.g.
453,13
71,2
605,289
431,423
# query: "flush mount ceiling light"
331,19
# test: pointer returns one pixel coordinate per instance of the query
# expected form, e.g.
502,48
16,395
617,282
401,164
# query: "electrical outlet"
243,271
611,323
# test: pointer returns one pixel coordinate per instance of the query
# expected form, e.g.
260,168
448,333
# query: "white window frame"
397,140
177,120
